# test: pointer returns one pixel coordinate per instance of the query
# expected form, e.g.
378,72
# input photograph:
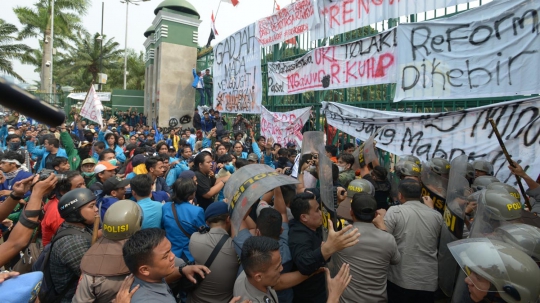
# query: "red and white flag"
233,2
214,24
92,107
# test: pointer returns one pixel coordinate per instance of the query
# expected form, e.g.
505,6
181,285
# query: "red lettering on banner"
347,18
311,80
335,72
321,54
334,11
382,66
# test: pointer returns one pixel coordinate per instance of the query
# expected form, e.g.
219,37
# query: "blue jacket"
175,172
207,126
104,203
8,184
43,153
191,217
118,151
196,80
151,213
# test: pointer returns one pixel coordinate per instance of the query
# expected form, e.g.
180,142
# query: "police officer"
482,182
356,186
408,169
482,168
496,272
439,166
411,158
103,268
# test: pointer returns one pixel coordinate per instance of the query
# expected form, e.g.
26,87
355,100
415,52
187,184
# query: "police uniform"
103,271
243,288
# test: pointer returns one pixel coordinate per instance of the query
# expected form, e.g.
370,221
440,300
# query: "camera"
288,171
48,63
44,174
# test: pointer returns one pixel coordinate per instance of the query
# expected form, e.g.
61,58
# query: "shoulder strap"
178,221
216,250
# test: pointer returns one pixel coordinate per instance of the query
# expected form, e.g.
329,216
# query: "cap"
22,288
239,114
113,183
88,161
216,209
208,150
138,159
253,157
291,144
364,206
103,166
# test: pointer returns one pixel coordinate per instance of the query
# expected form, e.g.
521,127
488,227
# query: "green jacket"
345,177
208,80
72,152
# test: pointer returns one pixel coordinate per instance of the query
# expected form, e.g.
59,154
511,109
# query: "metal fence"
375,97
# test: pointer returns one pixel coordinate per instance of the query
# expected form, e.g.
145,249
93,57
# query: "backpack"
47,293
220,129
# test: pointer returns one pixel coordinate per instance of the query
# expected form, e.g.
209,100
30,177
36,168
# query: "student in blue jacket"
111,142
198,84
50,150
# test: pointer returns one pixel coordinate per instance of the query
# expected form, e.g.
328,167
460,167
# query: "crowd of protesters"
129,213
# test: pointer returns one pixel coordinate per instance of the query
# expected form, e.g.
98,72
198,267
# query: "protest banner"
80,96
367,61
284,127
489,51
286,23
92,107
237,73
451,134
338,17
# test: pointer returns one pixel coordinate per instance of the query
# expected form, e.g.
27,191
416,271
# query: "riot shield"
312,142
494,270
247,185
434,186
523,237
456,200
368,152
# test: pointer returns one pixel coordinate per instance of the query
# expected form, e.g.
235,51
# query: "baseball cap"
113,183
253,157
88,161
291,144
239,114
364,206
103,166
21,288
216,209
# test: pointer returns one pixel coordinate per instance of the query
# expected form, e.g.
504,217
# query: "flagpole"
215,17
88,92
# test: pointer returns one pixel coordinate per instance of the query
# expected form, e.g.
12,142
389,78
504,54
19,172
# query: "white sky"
229,20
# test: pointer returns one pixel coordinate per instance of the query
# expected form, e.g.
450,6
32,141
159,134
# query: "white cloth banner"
92,107
237,73
367,61
81,96
287,23
451,134
284,127
338,17
489,51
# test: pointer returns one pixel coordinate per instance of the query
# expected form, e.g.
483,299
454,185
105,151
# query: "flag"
92,107
212,37
233,2
213,24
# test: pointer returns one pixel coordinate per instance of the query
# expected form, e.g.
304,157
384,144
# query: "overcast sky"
229,20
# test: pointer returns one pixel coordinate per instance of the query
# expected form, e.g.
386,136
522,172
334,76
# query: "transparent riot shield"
494,271
434,186
456,200
312,142
524,237
247,185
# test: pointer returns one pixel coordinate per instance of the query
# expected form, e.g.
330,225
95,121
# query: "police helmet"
482,182
510,272
484,166
522,236
72,201
470,171
439,166
510,189
501,206
360,186
407,168
411,158
122,220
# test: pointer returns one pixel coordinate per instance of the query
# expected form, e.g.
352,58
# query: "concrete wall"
176,95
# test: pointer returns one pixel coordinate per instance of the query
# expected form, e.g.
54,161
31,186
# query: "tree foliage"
10,49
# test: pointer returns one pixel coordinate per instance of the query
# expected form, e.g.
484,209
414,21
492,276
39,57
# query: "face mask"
88,174
341,168
15,146
11,133
113,162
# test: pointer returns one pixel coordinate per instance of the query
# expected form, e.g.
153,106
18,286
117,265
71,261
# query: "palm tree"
36,21
136,68
10,50
81,64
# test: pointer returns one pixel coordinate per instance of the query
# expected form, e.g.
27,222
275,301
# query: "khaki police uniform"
103,271
243,288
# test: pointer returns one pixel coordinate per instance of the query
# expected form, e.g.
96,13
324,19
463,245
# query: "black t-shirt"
204,184
49,161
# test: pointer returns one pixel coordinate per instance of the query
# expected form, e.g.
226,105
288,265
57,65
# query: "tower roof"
149,31
178,5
